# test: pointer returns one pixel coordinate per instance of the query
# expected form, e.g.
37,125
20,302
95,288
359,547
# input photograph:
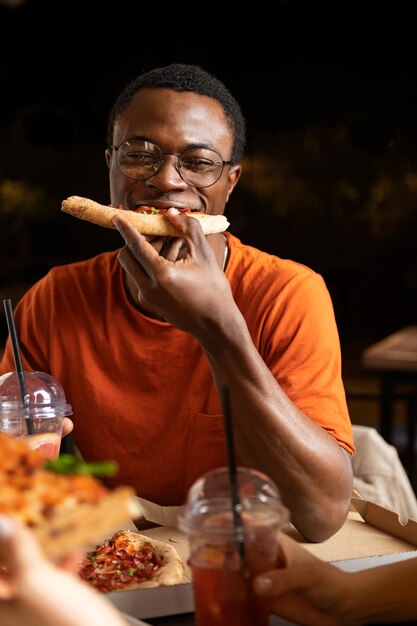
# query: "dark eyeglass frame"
160,161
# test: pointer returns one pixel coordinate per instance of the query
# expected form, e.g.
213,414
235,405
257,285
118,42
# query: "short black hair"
182,77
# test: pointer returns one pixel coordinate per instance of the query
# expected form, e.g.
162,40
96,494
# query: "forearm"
272,434
384,594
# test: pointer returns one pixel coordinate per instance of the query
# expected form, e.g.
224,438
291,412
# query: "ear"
234,175
108,154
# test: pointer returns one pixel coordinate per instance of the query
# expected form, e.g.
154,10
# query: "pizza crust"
147,224
171,570
88,523
65,512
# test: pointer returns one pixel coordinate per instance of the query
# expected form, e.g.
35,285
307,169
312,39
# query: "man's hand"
189,291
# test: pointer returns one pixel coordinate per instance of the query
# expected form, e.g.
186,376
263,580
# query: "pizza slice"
65,511
147,220
130,560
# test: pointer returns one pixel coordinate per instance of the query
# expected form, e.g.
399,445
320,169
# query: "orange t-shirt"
142,391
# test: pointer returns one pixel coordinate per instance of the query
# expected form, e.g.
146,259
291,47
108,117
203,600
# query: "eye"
197,163
139,159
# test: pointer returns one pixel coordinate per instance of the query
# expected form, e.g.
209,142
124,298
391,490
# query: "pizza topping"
118,564
147,210
65,511
70,464
32,494
150,210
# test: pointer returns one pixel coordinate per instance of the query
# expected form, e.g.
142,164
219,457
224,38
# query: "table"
394,359
361,543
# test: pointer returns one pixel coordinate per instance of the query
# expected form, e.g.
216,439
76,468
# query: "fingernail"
6,527
174,211
263,583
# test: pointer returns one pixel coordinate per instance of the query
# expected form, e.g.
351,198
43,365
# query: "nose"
167,176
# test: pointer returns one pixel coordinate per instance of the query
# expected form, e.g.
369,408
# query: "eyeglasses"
140,159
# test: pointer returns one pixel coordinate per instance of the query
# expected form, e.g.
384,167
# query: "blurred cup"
222,577
42,412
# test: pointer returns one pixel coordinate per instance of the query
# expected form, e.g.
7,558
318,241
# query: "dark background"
329,91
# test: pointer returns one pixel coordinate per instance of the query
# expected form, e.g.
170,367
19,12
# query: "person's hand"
35,592
186,290
307,590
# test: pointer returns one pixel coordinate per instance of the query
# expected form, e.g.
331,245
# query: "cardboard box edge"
384,519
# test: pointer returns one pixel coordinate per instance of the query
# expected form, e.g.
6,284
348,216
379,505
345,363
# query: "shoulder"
251,264
82,276
103,262
62,282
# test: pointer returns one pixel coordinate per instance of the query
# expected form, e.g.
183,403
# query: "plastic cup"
222,577
42,412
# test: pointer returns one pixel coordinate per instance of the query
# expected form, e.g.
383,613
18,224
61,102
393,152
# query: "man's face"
174,121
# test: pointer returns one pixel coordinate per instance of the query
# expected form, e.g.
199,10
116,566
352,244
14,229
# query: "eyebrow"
203,145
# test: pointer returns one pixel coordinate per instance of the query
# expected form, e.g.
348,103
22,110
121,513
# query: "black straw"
234,487
18,363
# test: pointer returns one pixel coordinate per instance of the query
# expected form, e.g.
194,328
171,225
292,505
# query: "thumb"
18,547
280,581
7,581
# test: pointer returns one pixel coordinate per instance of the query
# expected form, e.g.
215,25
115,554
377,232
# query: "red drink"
227,553
48,444
223,591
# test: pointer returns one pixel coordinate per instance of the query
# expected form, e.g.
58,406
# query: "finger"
183,222
299,609
165,246
280,581
67,426
19,550
158,243
192,234
189,228
172,248
130,234
141,250
131,265
295,596
6,579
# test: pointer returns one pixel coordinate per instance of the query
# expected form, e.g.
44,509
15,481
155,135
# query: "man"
145,354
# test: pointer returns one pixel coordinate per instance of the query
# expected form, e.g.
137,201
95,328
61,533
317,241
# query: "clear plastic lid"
211,495
45,396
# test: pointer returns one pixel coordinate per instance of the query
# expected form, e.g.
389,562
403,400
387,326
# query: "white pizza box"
370,534
160,602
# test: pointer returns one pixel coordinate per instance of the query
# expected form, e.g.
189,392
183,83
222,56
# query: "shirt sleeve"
301,346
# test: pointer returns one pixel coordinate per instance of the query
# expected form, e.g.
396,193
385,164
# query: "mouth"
162,204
